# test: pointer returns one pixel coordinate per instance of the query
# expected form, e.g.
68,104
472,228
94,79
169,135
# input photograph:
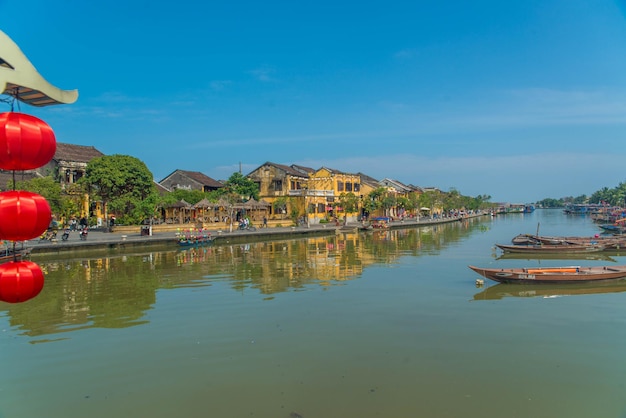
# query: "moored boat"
553,275
382,222
607,255
7,255
609,242
613,228
547,249
193,238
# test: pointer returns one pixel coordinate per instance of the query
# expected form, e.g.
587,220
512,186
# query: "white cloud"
219,85
264,74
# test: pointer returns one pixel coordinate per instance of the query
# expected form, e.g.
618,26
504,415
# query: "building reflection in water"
118,291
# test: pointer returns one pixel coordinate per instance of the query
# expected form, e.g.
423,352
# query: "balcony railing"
312,193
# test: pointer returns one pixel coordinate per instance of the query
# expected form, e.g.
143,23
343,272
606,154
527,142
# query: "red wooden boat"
553,275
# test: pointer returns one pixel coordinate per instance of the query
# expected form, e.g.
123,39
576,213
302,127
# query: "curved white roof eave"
20,79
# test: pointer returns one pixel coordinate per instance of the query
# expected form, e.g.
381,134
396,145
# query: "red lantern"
23,215
26,142
20,281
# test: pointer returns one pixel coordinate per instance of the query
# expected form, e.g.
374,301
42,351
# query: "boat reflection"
500,291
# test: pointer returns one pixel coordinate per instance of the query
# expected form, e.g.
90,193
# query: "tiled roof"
395,184
302,169
365,179
290,170
161,189
202,178
76,153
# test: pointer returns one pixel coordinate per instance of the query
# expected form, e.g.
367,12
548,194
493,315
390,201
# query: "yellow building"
326,188
283,187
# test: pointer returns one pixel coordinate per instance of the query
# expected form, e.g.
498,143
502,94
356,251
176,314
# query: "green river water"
383,324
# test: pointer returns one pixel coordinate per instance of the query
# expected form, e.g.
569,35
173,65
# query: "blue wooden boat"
192,239
614,228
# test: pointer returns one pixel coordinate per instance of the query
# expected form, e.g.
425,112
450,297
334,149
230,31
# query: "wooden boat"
609,242
194,241
553,275
381,222
7,255
524,239
191,239
540,248
597,256
614,228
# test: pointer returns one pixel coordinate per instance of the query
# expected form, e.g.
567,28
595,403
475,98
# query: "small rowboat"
553,275
607,241
548,249
194,238
7,255
194,241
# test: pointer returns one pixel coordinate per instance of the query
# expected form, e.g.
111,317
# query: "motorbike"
83,234
249,227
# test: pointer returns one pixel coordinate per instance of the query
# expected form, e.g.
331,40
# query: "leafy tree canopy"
124,184
46,187
239,185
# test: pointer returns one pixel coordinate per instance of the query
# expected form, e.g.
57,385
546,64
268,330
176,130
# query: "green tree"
349,203
46,187
452,200
241,186
124,184
189,196
551,203
63,203
237,189
280,205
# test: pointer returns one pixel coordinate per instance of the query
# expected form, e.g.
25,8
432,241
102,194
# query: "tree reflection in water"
117,291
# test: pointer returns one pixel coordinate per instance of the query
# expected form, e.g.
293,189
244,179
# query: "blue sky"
520,100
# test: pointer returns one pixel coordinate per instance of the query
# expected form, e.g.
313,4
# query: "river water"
383,324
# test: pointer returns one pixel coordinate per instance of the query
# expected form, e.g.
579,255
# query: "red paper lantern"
26,142
20,281
23,215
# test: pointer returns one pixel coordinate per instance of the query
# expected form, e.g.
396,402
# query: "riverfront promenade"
125,239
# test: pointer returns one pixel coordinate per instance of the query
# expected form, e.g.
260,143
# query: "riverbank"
133,239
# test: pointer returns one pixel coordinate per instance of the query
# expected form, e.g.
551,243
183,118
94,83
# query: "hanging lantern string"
16,95
14,186
12,99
